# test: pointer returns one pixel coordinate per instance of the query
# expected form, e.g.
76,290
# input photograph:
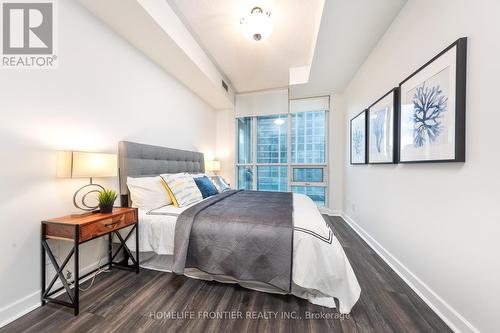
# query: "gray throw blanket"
244,234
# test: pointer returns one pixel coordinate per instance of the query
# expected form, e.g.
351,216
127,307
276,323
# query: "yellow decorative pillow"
182,189
170,194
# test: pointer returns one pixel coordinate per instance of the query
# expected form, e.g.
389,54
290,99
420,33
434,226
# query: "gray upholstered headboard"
140,160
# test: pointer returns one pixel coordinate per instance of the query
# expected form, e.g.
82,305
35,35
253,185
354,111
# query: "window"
245,140
308,137
271,139
308,146
245,177
272,178
286,152
308,175
245,155
316,193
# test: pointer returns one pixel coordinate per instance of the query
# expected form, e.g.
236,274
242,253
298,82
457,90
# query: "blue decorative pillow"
207,188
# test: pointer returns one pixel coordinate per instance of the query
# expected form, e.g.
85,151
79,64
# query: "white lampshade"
64,163
76,164
213,165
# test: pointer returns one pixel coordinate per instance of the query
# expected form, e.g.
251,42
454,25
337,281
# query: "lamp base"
82,194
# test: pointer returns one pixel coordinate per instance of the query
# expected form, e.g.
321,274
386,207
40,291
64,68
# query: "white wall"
226,145
440,221
104,91
336,153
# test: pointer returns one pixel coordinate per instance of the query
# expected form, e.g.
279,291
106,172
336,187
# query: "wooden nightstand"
81,229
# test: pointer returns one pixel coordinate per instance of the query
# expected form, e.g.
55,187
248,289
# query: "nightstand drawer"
105,226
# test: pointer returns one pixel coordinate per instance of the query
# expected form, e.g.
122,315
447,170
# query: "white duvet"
321,270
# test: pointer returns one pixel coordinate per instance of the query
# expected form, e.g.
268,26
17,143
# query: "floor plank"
125,302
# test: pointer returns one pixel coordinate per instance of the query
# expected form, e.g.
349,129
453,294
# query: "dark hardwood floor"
125,302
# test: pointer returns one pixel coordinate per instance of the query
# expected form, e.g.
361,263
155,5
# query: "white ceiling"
349,31
331,37
254,66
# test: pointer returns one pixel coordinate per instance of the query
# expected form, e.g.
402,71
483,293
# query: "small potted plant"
106,201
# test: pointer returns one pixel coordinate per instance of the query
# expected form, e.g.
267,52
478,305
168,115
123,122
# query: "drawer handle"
109,225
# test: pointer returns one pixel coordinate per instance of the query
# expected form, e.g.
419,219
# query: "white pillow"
183,189
220,183
196,175
148,192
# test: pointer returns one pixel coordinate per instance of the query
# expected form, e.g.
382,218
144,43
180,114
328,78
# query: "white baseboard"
445,311
19,308
330,212
30,302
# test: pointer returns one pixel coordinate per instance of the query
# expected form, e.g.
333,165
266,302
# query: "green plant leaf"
107,197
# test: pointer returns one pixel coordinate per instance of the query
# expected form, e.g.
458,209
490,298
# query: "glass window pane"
272,139
316,193
272,178
244,140
245,178
308,175
308,137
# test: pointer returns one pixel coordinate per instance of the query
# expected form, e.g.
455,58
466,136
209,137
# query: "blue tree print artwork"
357,138
378,129
429,104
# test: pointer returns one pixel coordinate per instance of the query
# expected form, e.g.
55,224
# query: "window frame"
324,183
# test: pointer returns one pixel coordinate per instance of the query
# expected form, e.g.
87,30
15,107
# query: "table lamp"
78,164
212,166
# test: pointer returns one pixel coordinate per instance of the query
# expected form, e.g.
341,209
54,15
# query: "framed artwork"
358,138
432,109
382,129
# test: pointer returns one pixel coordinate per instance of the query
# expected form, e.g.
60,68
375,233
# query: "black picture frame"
365,113
395,127
460,103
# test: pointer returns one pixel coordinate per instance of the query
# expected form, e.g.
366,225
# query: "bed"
281,244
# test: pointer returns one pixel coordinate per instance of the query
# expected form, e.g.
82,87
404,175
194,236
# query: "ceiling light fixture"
258,25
